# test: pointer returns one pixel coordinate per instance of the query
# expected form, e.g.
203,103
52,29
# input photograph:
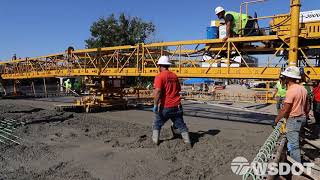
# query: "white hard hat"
164,60
218,10
292,72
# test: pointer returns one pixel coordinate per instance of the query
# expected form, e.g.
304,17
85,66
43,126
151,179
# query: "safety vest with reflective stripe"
236,21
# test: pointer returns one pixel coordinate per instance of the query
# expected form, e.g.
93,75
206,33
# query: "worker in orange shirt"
294,110
167,102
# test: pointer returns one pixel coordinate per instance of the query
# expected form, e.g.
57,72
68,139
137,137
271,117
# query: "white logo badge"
240,165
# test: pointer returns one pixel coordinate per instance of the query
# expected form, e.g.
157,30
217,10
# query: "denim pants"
316,111
175,114
294,127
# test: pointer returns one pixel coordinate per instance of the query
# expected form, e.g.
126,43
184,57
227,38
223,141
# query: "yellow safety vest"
236,21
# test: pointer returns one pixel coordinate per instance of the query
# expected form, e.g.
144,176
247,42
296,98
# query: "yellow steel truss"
187,56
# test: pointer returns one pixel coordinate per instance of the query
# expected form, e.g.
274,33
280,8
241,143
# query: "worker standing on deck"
280,93
167,102
294,110
232,21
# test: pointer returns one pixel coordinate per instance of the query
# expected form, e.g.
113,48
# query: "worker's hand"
225,39
155,109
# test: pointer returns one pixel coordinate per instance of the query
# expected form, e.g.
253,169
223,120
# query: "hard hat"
164,60
292,72
218,10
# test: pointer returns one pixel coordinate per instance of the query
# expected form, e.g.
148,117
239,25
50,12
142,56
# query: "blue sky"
39,27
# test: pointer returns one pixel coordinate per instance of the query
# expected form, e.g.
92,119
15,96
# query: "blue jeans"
294,126
175,114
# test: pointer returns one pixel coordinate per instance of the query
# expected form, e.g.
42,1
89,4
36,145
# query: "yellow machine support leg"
294,33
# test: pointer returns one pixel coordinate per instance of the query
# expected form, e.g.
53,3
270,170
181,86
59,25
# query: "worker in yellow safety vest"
232,21
67,85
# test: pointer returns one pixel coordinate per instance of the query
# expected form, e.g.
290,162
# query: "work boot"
175,131
155,136
186,138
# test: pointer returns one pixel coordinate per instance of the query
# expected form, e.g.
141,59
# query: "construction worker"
232,21
316,106
294,110
280,93
67,85
304,82
77,86
167,102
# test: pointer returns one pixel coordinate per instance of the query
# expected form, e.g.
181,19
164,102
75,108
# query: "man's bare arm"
275,93
228,31
156,94
284,112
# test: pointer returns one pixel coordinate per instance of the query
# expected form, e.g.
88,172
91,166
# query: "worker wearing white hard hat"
295,110
232,20
164,60
218,10
167,102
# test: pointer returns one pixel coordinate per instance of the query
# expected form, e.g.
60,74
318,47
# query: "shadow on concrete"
194,136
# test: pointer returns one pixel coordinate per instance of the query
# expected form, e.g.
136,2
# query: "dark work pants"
175,114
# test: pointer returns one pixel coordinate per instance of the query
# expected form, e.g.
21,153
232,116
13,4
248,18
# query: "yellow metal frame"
141,59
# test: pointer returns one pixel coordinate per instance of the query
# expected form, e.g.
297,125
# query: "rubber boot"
155,136
175,131
186,138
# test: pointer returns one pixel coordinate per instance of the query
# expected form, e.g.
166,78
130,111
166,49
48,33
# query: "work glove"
155,108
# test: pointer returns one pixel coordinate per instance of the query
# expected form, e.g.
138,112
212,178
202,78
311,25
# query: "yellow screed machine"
290,37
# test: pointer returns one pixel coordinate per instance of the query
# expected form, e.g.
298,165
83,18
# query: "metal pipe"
246,3
7,125
2,142
10,134
278,155
6,122
265,151
294,33
267,17
9,130
9,139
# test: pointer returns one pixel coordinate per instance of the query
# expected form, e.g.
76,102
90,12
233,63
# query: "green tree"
125,30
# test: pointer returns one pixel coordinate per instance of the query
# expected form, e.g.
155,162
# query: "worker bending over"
232,20
294,110
167,102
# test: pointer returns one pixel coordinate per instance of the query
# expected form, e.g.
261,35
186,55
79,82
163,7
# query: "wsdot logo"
240,165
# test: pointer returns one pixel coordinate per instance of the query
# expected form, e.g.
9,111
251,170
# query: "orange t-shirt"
169,84
297,96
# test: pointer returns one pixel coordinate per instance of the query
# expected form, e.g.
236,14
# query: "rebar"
7,126
265,152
